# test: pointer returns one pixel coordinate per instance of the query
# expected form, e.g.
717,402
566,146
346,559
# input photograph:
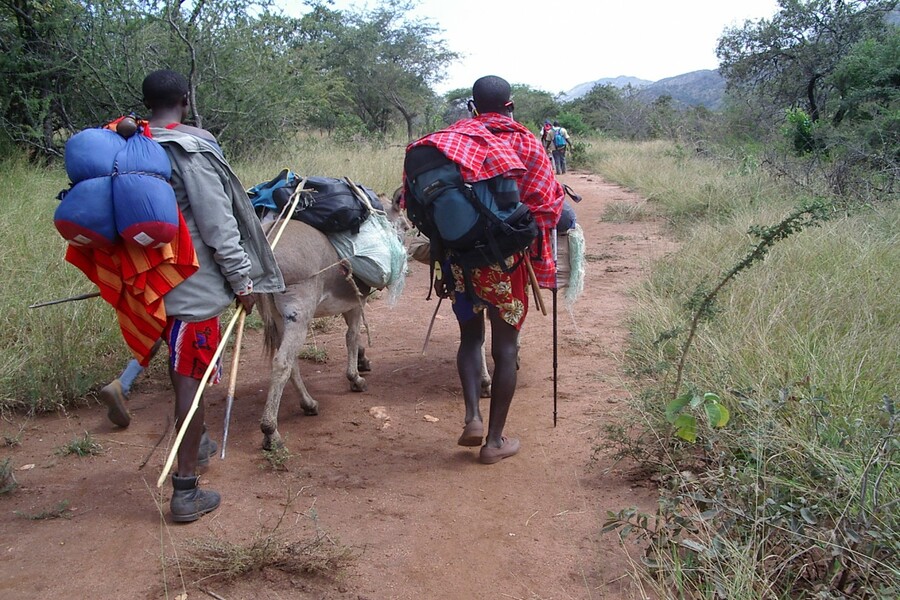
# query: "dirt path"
424,517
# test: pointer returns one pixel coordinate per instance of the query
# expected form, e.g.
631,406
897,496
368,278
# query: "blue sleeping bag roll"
85,215
92,153
144,203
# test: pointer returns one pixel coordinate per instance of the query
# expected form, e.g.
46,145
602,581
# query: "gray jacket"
231,247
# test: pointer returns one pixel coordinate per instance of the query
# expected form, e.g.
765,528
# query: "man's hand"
247,302
441,288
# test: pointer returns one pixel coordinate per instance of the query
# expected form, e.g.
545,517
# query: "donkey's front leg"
354,318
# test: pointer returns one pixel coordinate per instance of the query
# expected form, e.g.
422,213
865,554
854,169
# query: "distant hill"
620,82
697,88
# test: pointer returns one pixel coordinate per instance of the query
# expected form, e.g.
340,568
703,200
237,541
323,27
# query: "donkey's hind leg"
354,318
485,375
309,405
282,366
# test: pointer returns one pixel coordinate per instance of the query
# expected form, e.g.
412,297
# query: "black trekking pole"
555,288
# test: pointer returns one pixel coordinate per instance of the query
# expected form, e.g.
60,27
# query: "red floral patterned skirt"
508,292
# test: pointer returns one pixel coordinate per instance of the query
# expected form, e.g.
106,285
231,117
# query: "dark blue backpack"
483,223
559,140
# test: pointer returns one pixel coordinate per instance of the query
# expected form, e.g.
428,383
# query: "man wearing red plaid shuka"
491,143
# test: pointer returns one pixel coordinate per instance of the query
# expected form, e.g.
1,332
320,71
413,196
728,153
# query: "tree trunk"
811,98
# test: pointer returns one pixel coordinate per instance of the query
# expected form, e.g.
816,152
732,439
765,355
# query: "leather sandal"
472,435
489,455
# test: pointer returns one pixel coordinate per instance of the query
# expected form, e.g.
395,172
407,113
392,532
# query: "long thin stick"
534,285
431,325
232,380
190,414
212,363
555,241
69,299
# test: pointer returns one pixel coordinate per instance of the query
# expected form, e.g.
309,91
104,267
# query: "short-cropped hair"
491,94
164,89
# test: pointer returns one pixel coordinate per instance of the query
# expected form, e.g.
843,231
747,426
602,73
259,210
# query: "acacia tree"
383,62
786,60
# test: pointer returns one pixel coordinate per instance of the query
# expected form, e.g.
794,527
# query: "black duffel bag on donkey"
326,203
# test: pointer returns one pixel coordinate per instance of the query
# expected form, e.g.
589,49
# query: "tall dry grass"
798,493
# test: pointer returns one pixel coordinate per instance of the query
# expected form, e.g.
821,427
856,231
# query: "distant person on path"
547,137
504,145
235,261
561,141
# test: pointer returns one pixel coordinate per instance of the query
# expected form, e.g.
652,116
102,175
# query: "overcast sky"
557,45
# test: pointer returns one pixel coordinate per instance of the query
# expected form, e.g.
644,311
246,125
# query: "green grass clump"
681,187
60,510
625,212
82,446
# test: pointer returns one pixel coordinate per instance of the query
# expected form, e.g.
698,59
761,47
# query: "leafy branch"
702,303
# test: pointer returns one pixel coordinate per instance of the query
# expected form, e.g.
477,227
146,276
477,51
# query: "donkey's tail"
272,330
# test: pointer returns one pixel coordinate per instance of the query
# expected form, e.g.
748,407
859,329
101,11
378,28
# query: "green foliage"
253,72
533,106
277,458
51,357
573,123
701,302
83,446
799,131
314,353
786,61
685,424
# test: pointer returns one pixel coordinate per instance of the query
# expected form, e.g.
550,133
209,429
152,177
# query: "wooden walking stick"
203,381
218,353
232,380
534,285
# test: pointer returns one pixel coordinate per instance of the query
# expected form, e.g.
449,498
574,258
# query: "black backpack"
483,223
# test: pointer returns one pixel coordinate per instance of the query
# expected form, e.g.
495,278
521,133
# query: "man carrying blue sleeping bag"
175,185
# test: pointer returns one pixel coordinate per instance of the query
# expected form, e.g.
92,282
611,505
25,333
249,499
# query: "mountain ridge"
705,87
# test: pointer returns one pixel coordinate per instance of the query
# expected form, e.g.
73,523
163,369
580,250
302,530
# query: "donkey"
316,285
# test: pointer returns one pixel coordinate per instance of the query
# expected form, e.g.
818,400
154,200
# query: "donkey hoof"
272,442
486,390
364,365
311,410
359,385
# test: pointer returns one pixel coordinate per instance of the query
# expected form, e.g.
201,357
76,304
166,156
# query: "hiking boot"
189,502
207,449
113,397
